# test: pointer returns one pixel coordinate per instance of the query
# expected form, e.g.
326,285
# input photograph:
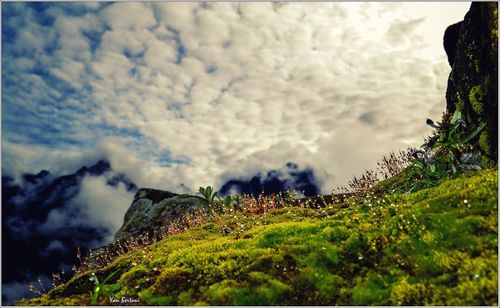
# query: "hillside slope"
434,247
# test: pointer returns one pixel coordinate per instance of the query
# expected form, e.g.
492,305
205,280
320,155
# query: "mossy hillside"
437,246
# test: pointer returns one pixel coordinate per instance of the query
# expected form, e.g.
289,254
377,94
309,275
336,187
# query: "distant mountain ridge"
26,206
53,192
289,177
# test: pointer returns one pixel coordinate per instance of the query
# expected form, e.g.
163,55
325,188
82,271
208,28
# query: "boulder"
151,209
472,49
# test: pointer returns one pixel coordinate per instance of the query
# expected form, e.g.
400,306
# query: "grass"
437,246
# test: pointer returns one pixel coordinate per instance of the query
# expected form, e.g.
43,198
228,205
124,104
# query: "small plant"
395,163
208,195
447,151
390,166
209,198
366,181
58,278
39,291
101,288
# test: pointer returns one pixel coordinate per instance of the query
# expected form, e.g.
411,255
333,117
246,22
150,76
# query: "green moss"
375,291
476,99
484,142
437,246
494,23
460,104
141,194
406,294
407,181
75,300
317,287
258,289
172,281
154,300
134,278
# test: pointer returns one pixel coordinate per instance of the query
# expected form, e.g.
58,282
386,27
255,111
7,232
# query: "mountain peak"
99,168
34,178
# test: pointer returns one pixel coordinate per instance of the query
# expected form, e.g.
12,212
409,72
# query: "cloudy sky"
180,95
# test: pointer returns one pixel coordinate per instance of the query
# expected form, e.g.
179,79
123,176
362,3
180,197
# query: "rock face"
472,47
151,209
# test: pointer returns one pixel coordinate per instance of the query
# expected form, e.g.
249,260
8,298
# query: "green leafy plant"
457,136
228,201
208,195
101,288
447,151
210,200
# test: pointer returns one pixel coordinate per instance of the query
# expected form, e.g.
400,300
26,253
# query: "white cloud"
105,205
96,205
129,15
243,87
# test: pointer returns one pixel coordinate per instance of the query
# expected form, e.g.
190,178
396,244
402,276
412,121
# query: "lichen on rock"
484,142
476,99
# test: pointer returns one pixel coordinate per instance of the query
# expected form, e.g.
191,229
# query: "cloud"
190,90
401,32
96,205
105,205
181,95
14,291
117,16
369,118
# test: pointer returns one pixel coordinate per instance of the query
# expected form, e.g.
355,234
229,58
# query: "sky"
182,95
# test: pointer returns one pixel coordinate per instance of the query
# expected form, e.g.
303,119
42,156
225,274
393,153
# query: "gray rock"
151,209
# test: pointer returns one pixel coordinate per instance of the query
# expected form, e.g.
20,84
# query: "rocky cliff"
472,49
152,209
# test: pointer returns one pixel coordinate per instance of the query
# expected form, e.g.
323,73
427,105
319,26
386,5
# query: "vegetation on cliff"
472,48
